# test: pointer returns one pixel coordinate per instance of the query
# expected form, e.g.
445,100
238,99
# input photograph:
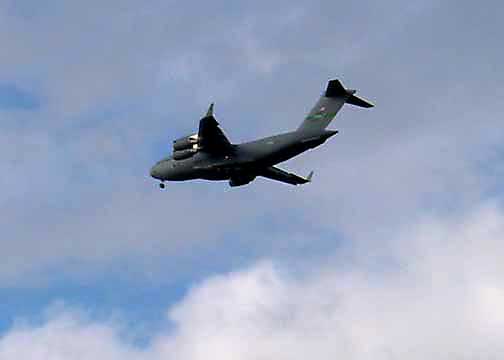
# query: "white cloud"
442,300
79,196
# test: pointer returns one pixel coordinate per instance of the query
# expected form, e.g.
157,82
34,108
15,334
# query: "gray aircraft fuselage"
245,160
209,155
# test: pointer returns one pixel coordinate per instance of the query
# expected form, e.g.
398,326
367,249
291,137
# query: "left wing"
211,138
277,174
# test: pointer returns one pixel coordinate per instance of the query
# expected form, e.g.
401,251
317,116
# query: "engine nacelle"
183,154
187,142
241,180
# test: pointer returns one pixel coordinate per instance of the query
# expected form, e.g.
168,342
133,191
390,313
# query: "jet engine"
241,180
185,147
187,142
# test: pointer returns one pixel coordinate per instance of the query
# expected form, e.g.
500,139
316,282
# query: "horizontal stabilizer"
336,89
357,101
326,108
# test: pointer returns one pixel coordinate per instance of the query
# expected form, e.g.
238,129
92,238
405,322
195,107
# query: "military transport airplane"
210,155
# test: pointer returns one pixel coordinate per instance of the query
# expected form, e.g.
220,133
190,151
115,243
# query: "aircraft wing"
277,174
211,138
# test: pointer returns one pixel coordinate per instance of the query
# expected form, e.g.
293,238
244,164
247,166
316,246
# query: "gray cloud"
118,77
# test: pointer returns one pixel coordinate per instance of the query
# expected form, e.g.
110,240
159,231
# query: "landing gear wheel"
161,185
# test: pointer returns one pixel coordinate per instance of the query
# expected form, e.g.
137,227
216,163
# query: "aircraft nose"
154,172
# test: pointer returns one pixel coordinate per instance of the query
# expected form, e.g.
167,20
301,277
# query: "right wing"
277,174
211,138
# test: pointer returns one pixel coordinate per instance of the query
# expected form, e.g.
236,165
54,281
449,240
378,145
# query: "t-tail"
328,106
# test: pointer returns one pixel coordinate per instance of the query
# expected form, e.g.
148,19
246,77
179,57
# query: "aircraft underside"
209,155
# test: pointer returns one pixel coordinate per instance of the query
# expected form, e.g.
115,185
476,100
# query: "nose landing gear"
161,185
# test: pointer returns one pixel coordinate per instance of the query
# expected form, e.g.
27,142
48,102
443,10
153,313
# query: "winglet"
210,110
309,177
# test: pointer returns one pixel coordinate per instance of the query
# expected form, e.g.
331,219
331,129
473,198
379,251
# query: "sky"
393,251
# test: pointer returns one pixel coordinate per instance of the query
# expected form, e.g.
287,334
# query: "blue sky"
14,98
93,93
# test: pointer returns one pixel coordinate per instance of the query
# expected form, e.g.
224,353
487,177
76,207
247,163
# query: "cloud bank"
440,299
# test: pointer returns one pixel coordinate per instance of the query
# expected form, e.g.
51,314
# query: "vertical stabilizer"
326,108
